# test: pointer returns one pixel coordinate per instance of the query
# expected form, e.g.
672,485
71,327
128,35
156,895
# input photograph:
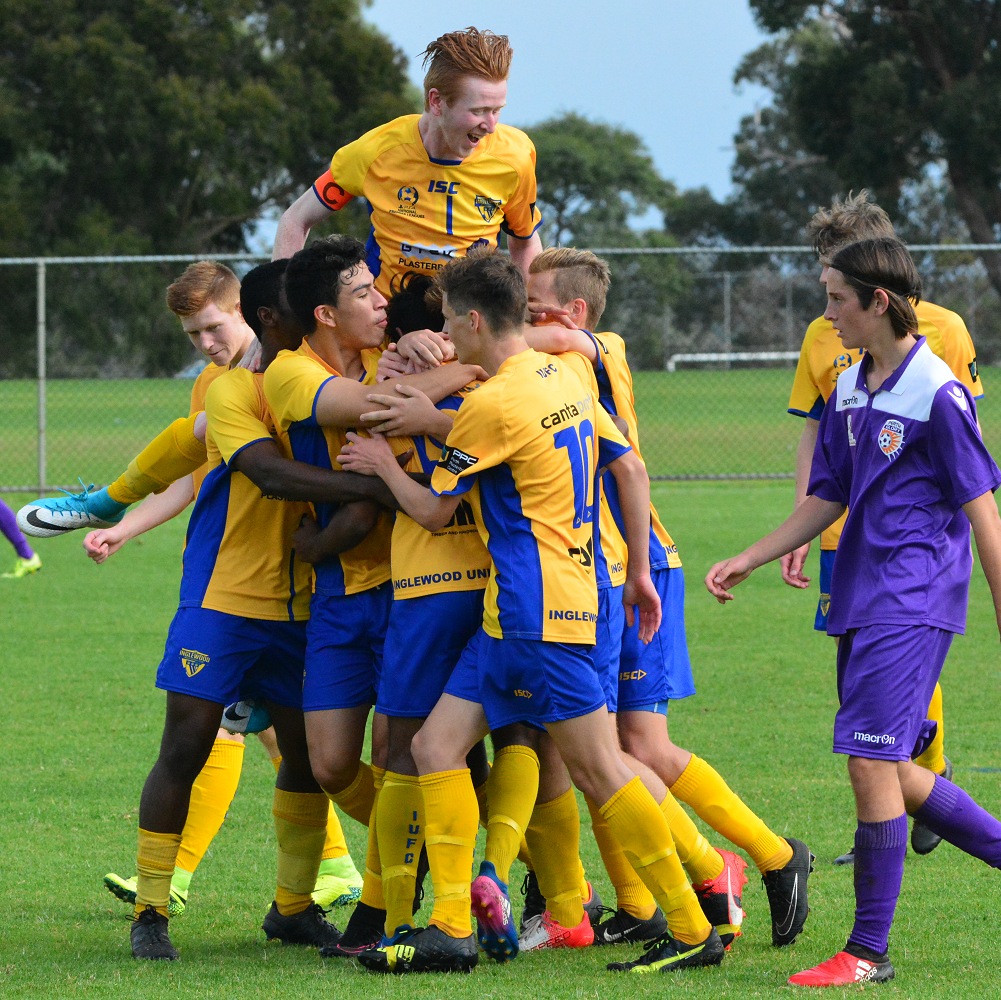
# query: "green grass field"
82,643
695,424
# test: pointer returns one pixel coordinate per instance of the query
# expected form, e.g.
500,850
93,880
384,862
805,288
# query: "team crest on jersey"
407,196
891,438
193,661
841,362
487,207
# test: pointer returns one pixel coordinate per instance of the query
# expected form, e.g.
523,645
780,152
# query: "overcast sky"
664,70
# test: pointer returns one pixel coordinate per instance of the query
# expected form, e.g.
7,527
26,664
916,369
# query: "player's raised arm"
296,222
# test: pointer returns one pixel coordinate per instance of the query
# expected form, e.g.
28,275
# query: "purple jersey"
904,459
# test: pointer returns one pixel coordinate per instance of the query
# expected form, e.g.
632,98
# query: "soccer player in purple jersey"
899,446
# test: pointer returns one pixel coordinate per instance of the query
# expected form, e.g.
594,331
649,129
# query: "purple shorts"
886,676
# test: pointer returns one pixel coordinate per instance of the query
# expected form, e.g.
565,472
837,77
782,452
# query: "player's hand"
426,348
410,412
251,359
724,576
367,455
542,314
102,543
641,593
792,564
391,365
304,539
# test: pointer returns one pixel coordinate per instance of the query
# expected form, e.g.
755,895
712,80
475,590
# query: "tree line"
144,127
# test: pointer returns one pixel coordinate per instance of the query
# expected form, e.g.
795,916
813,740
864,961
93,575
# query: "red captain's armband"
330,192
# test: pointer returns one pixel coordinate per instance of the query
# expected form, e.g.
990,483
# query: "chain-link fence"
89,354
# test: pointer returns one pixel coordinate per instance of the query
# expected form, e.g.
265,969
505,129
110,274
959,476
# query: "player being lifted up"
439,182
899,446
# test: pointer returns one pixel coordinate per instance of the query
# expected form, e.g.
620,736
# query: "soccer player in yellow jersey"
316,393
650,676
525,448
822,358
206,300
440,182
240,632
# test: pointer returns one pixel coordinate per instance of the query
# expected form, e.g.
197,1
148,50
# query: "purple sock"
8,525
954,816
879,870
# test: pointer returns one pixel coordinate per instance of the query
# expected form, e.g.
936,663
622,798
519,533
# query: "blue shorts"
425,639
223,658
660,671
344,642
886,676
824,604
528,680
607,649
464,681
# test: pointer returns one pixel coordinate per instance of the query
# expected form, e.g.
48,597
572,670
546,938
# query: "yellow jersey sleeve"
949,338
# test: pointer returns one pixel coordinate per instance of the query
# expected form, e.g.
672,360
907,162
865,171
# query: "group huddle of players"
432,502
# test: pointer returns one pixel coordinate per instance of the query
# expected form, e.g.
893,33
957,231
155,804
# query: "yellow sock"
554,839
639,826
156,854
511,791
450,824
172,454
358,799
631,894
300,825
701,787
335,846
701,860
934,757
371,890
211,795
400,828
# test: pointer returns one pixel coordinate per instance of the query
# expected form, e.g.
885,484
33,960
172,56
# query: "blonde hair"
577,274
465,53
855,218
206,282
